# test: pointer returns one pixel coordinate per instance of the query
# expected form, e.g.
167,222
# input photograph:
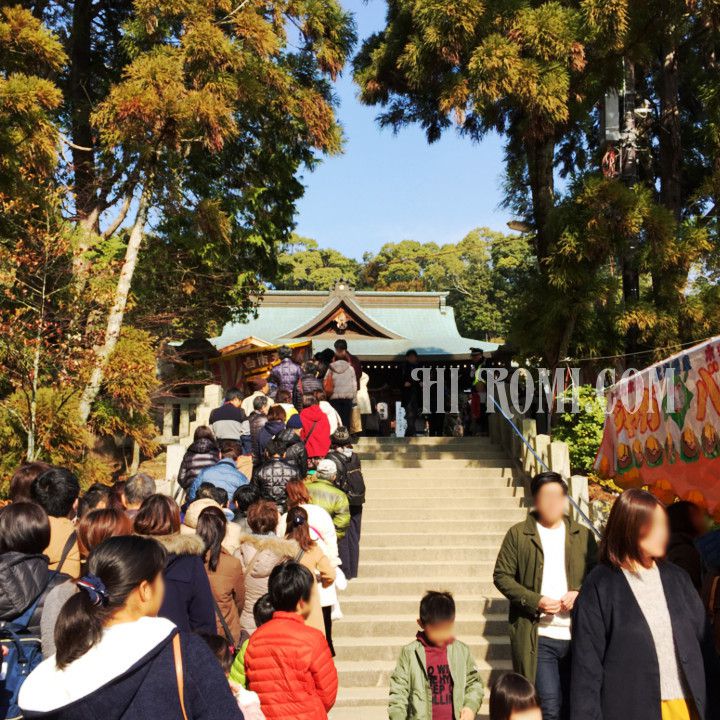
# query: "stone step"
365,441
408,605
406,461
424,568
376,673
371,704
430,454
346,710
435,528
467,624
404,503
388,648
377,538
449,514
424,496
436,480
416,553
417,586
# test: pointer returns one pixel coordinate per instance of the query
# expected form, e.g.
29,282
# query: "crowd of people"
616,631
204,587
120,602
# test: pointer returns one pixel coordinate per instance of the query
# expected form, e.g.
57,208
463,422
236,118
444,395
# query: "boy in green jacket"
435,677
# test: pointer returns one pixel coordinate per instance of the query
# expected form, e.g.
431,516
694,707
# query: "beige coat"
323,571
228,588
259,555
60,531
231,542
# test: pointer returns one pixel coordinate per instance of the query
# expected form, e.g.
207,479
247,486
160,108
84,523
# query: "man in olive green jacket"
530,581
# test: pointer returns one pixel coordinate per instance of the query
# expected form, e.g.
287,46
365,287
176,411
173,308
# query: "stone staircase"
436,512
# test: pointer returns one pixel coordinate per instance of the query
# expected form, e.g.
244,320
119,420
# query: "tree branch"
118,221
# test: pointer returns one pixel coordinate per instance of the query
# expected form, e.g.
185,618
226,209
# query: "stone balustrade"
554,454
193,412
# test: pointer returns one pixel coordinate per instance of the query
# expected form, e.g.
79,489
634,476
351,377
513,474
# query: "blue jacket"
223,474
136,683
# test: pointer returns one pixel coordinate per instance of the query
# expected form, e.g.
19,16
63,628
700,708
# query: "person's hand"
568,600
467,714
549,606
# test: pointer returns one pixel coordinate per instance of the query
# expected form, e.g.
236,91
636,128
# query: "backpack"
349,477
24,651
24,654
329,383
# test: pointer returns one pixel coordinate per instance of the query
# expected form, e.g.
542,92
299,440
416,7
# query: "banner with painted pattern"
669,443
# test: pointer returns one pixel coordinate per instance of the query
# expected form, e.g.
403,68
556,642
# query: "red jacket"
317,442
288,664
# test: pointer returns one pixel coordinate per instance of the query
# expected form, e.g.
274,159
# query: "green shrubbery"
582,431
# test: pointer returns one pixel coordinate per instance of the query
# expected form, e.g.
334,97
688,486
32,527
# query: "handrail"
572,500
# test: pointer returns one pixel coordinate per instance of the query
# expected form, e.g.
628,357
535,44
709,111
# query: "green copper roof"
429,330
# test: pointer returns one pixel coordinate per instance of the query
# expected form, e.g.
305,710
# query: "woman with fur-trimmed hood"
260,553
188,598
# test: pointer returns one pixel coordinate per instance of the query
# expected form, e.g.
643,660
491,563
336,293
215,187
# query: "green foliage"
61,438
536,72
197,115
582,431
123,406
305,266
482,273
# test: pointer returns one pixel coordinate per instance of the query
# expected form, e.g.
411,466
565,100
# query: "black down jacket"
306,384
198,456
22,579
257,423
272,478
295,452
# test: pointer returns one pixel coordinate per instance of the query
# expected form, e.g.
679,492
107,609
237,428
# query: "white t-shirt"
554,581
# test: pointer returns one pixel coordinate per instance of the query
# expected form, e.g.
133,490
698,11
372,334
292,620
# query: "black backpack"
349,476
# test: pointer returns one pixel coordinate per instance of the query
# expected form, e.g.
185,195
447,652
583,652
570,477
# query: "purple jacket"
286,374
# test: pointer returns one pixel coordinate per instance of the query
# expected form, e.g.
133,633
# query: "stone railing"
554,454
193,412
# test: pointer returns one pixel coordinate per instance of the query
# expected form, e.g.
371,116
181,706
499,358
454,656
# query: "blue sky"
389,187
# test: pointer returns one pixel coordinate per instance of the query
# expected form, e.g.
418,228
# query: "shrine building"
379,327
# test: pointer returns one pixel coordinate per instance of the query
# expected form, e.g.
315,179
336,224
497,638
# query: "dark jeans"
246,444
553,677
327,619
412,412
344,409
349,546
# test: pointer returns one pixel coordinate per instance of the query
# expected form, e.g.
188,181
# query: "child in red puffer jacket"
287,663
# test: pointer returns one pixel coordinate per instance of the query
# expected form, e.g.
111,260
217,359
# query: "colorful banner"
234,369
672,447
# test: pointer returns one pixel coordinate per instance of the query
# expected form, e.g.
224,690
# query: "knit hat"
326,470
341,437
294,422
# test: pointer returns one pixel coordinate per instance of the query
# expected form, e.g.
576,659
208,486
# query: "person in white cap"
323,492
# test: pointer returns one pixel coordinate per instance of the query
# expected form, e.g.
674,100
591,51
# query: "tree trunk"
629,260
83,160
117,312
670,141
540,158
669,283
80,97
